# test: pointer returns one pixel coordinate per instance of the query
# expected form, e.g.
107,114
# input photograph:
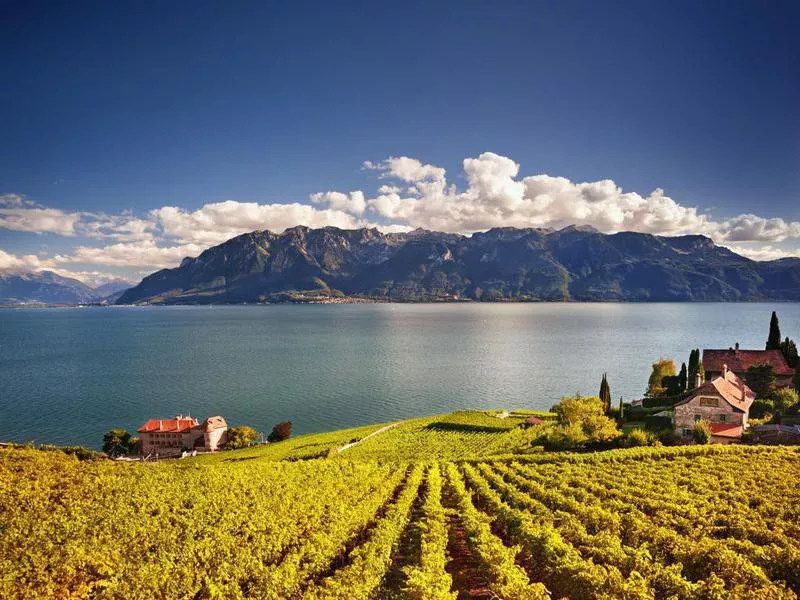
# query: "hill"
575,263
425,509
46,287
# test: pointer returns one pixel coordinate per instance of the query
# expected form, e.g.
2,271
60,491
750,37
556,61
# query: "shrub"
784,399
281,431
241,437
640,437
762,407
701,432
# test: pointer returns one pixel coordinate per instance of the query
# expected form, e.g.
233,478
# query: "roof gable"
177,425
740,360
728,387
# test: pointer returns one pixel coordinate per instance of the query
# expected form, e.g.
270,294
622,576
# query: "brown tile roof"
730,387
177,425
739,361
534,421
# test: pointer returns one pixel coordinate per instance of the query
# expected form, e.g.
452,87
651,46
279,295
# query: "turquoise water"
68,375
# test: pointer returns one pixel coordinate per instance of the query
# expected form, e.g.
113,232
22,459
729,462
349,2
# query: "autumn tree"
774,339
281,431
661,369
241,437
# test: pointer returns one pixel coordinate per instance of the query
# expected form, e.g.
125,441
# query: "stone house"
724,403
739,361
169,437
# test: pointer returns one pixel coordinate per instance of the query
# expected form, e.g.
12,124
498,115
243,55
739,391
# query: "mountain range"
46,287
574,263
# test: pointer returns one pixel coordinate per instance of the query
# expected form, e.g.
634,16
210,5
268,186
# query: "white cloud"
12,262
130,254
764,252
215,223
352,203
39,220
496,196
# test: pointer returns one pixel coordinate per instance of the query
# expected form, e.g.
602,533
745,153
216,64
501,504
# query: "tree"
573,410
785,399
682,378
694,367
241,437
280,432
661,369
116,442
621,409
605,393
701,432
789,350
774,339
761,379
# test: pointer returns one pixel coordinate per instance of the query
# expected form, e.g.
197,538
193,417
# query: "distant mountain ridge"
46,287
574,263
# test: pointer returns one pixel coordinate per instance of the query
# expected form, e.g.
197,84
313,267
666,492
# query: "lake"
68,375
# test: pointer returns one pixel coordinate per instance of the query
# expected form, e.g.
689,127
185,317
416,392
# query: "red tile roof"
726,430
739,361
177,425
534,421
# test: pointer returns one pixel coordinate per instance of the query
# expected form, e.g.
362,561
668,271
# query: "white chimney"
724,371
698,380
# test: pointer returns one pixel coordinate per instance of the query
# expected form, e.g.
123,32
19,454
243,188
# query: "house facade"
724,403
739,361
169,437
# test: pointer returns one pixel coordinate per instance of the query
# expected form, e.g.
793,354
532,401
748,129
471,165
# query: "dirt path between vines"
366,437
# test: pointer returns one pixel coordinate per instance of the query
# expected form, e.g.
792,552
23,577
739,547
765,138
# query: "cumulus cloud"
496,196
217,222
350,203
12,262
39,220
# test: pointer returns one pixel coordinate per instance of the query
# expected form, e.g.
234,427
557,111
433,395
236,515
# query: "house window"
697,418
686,432
709,401
722,418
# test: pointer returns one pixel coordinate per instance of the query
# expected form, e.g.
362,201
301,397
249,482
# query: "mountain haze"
46,287
575,263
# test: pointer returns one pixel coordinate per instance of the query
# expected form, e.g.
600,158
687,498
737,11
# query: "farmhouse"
168,437
724,403
739,361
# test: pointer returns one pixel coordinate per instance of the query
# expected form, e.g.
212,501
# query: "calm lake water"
69,375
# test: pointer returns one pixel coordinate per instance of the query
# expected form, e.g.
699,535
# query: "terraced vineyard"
693,522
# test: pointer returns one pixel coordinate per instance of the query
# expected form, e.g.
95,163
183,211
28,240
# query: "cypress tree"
694,364
621,409
774,339
682,378
605,393
789,349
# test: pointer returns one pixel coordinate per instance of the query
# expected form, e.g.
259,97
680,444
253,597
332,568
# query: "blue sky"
138,132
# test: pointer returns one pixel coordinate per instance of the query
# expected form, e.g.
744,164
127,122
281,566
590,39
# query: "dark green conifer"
605,393
774,339
682,378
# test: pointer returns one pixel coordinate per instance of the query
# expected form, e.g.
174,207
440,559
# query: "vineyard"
700,522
